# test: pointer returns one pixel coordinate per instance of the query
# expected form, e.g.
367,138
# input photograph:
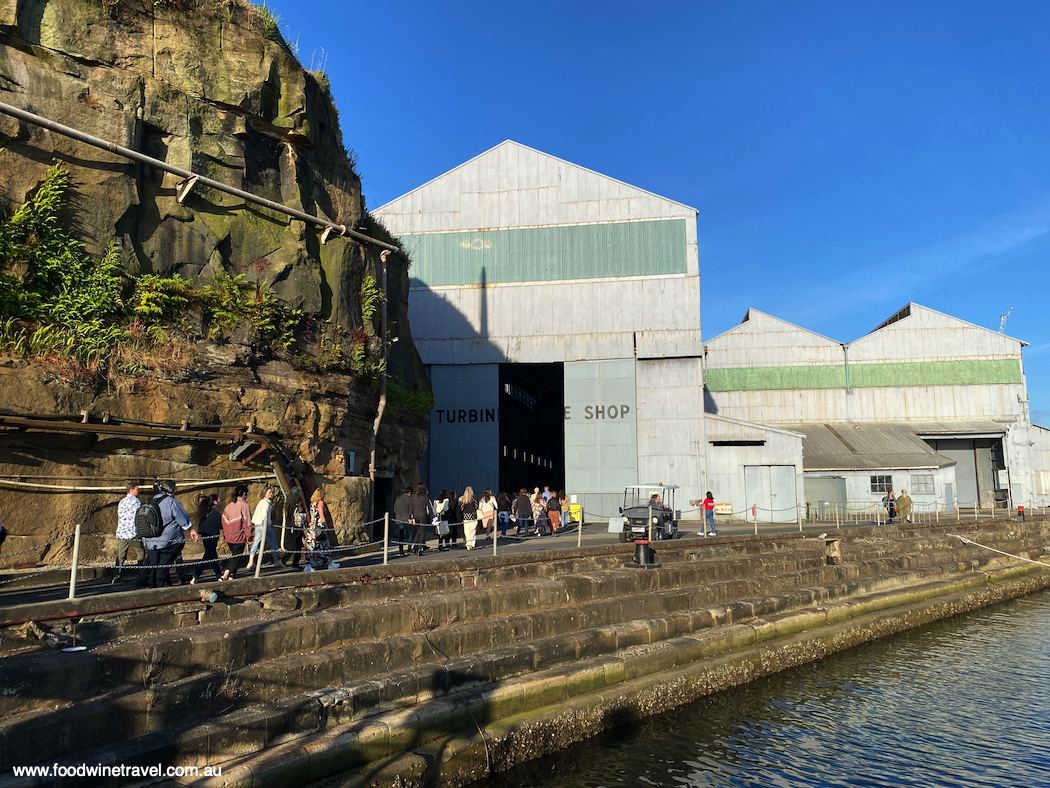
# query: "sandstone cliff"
198,85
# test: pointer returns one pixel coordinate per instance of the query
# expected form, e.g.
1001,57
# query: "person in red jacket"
709,515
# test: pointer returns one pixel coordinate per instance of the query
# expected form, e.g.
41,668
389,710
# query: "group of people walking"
243,531
467,517
897,506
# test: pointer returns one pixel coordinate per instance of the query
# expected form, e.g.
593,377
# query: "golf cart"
639,506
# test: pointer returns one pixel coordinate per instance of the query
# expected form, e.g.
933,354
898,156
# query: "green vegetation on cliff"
85,317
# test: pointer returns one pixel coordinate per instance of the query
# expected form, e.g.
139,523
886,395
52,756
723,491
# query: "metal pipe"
382,380
845,353
76,564
127,153
386,538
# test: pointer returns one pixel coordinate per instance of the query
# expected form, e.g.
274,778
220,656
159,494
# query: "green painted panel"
776,378
535,254
910,373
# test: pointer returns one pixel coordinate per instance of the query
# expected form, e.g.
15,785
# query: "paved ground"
56,586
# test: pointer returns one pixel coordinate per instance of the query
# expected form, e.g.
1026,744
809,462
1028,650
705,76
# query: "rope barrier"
184,486
992,549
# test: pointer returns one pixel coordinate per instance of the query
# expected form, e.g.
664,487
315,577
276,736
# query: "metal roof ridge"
743,423
696,213
882,326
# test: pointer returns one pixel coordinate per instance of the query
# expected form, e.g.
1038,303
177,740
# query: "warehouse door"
770,489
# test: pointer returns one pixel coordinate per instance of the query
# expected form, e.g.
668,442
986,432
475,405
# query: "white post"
579,528
836,515
76,563
798,516
386,538
495,533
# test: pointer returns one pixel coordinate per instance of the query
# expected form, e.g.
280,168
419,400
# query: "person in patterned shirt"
126,538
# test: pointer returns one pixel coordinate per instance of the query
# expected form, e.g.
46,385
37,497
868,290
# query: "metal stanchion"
386,538
76,564
798,516
836,515
495,534
579,528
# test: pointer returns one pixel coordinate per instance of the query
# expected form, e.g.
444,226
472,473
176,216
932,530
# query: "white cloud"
954,257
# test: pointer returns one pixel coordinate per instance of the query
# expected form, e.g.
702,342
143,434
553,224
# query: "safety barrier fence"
180,565
405,539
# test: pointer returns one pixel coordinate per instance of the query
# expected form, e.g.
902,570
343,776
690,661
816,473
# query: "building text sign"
596,412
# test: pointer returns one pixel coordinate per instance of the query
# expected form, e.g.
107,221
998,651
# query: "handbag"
442,528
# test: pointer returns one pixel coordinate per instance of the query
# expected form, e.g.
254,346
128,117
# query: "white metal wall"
924,336
671,443
601,417
513,186
725,474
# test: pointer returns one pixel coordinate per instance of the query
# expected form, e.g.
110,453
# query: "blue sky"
845,158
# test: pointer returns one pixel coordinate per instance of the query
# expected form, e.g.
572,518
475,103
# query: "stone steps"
267,743
372,663
165,657
478,652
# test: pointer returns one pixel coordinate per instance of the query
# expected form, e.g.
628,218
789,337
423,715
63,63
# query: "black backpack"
149,522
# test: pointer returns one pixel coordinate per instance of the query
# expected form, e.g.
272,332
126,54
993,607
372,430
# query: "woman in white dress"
468,506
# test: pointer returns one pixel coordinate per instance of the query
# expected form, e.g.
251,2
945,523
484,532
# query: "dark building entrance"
979,463
531,426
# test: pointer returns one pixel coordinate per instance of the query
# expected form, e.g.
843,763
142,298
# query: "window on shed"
881,484
922,483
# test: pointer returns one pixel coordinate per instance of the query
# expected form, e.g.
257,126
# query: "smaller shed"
854,465
754,467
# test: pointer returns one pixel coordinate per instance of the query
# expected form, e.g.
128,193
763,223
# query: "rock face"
199,86
319,422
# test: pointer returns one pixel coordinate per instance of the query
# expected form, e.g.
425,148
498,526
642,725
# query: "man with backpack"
161,522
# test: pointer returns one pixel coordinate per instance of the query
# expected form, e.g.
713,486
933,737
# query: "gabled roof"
792,432
876,446
911,308
508,145
764,316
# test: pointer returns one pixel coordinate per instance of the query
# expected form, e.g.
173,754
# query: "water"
960,703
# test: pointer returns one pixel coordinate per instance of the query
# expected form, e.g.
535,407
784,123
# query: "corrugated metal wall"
601,416
536,254
464,427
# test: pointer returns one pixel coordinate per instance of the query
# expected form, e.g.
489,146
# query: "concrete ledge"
584,698
548,649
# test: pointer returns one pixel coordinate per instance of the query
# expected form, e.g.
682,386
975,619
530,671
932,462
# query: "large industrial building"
925,402
558,311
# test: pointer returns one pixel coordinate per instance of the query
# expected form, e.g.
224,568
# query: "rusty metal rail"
192,178
182,432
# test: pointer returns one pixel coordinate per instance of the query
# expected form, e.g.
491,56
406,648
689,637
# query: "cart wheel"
623,537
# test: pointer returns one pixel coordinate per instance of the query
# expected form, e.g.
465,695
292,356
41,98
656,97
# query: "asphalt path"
55,585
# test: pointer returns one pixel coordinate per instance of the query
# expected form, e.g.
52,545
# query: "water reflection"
960,703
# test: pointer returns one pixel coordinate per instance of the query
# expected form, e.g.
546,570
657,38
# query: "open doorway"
531,426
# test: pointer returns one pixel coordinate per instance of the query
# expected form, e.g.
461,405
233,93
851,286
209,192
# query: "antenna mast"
1003,319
